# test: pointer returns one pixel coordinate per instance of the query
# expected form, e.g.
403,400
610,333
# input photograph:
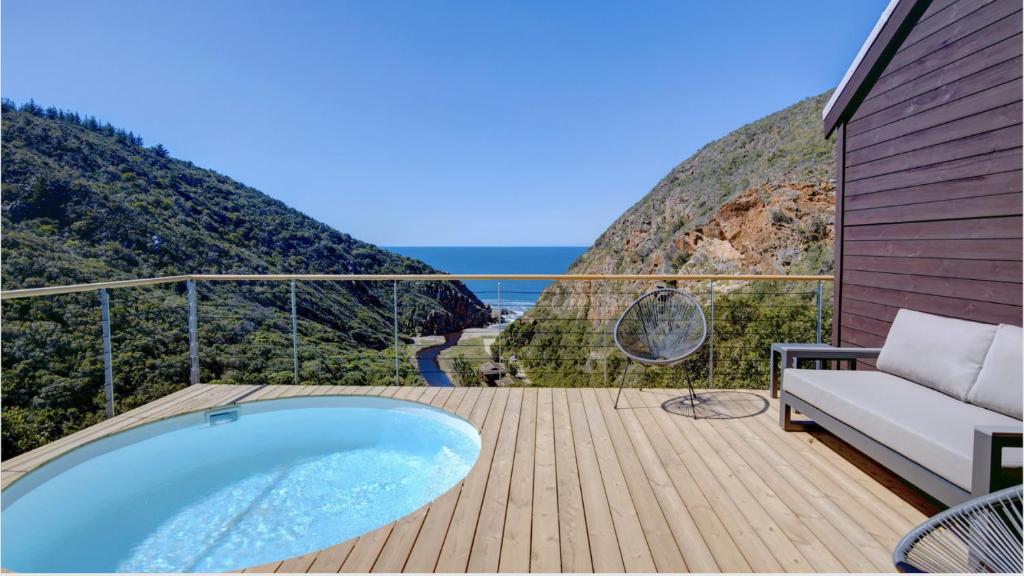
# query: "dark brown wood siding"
929,176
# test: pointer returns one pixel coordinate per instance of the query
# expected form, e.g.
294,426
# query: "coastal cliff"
760,200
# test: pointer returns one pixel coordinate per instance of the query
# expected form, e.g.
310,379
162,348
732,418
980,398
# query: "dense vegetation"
563,345
85,202
759,200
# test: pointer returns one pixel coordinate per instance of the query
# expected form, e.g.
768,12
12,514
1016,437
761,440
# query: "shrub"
779,216
465,373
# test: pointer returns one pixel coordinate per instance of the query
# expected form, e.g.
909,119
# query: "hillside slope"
760,200
84,202
780,165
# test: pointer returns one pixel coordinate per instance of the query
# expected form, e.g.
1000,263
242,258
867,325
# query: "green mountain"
760,200
779,166
85,202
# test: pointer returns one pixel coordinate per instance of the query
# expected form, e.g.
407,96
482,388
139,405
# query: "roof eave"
892,27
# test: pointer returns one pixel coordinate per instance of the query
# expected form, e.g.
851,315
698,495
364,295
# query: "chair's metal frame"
646,362
985,533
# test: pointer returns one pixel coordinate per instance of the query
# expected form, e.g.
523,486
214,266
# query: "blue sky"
434,122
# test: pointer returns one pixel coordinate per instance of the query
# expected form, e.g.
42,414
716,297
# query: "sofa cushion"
938,352
1000,384
924,425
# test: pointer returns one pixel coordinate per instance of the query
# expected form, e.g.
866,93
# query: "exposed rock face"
457,311
765,230
760,200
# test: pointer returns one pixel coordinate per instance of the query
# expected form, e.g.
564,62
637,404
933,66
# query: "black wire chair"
661,328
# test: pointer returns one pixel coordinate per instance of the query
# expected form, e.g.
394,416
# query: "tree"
160,150
32,108
465,373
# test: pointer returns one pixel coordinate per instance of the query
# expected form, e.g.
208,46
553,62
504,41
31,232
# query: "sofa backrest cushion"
1000,385
944,354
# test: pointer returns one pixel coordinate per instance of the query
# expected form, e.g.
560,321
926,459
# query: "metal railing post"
193,334
108,364
394,294
818,329
497,341
711,340
295,339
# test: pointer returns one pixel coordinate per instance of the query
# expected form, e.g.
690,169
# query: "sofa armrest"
835,353
989,474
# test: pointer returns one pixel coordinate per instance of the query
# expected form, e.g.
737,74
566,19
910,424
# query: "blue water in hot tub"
286,478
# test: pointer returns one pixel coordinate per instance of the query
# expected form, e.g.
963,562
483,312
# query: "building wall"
929,177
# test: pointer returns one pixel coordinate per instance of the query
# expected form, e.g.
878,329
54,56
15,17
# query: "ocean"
516,296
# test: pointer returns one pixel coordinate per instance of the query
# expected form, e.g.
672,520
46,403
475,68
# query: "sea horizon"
517,296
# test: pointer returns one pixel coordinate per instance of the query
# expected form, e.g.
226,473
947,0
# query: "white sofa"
943,409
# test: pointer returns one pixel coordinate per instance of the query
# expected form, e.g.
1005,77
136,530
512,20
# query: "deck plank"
662,536
458,543
331,559
367,549
573,540
566,482
268,568
691,445
427,549
635,444
545,555
888,516
605,547
717,531
395,553
9,476
747,537
796,528
410,393
429,393
845,538
485,552
636,553
516,540
297,565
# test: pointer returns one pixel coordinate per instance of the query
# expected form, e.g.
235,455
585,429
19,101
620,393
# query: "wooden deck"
567,483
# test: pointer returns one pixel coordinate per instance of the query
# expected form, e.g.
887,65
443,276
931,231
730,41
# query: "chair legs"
643,381
693,396
623,381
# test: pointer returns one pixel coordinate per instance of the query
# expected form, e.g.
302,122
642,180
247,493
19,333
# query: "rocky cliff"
760,200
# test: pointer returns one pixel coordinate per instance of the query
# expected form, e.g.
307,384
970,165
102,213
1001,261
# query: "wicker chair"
661,328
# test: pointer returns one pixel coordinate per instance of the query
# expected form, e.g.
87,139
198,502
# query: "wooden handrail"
70,289
53,290
447,277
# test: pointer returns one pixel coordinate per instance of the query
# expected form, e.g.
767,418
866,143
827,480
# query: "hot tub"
234,487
